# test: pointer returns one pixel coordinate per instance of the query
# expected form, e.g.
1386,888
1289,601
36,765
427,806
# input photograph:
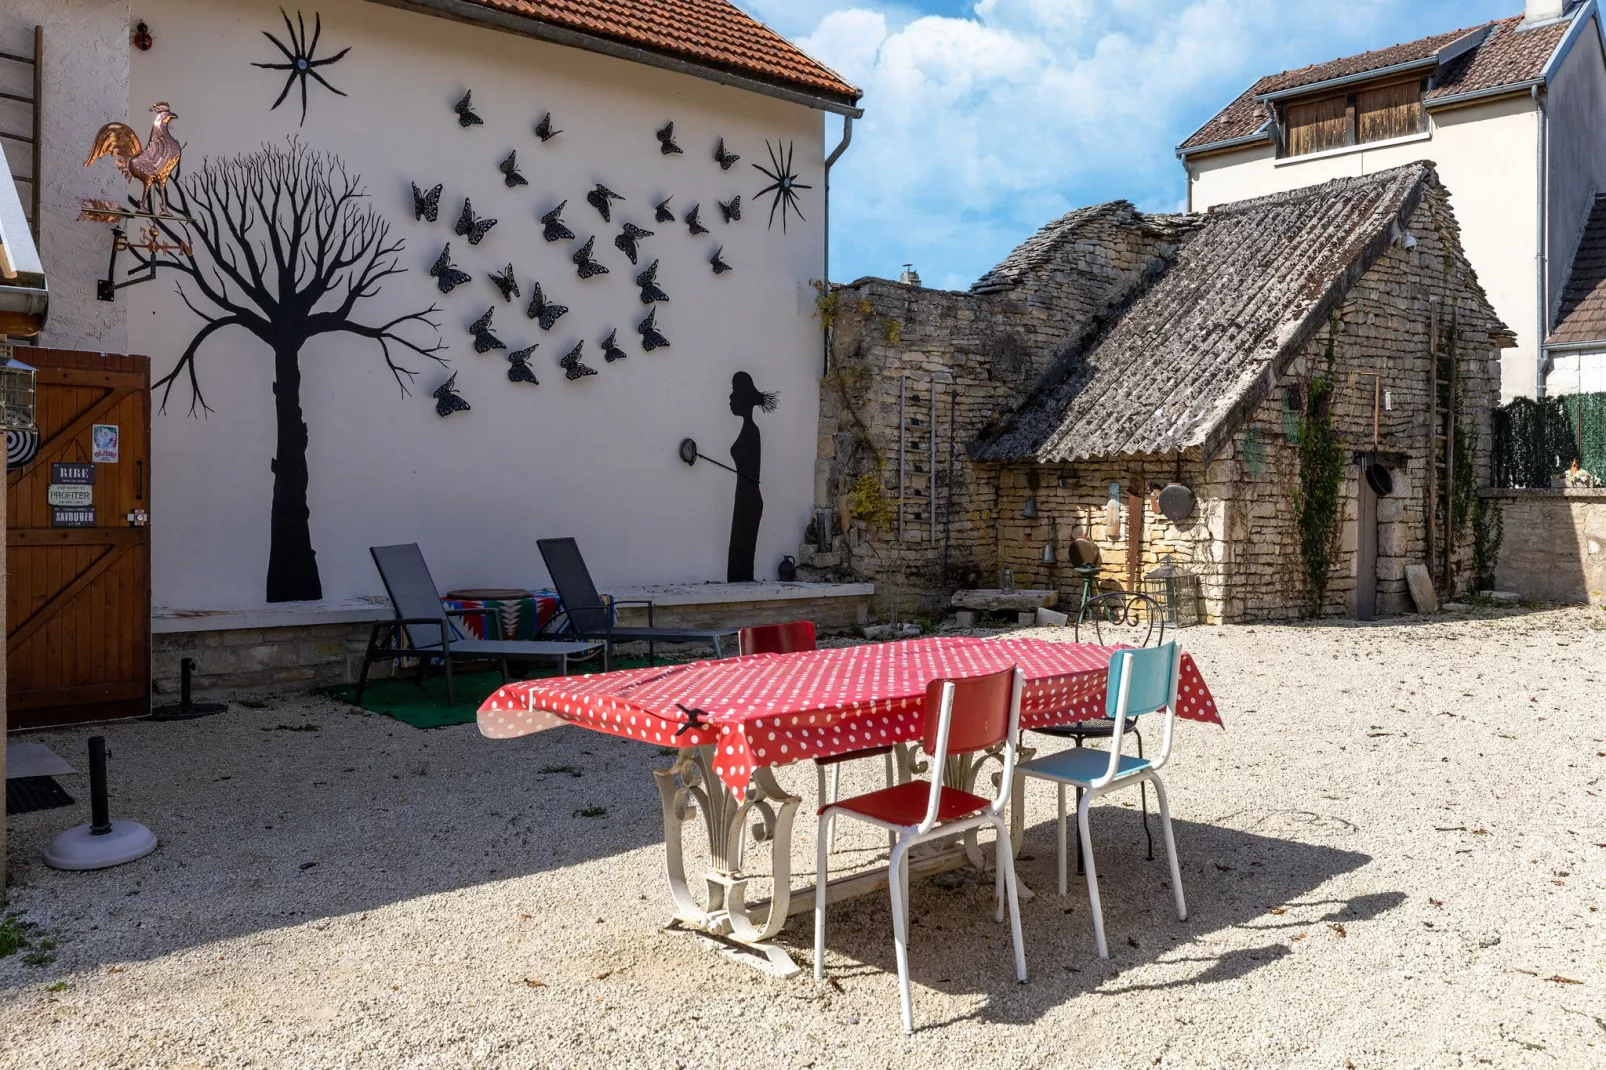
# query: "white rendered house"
1512,112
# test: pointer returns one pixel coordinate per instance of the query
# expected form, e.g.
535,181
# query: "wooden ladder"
34,138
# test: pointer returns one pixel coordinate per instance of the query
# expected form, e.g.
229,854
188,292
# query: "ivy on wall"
1318,498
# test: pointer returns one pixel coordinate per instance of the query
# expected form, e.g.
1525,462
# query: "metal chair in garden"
426,627
961,717
585,615
1140,682
787,639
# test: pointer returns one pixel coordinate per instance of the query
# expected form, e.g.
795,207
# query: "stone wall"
1553,547
253,661
983,354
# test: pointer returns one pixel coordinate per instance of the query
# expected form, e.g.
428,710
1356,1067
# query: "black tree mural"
286,245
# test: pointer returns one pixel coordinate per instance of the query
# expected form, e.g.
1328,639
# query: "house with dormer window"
1512,112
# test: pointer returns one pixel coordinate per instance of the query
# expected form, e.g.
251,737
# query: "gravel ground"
1393,856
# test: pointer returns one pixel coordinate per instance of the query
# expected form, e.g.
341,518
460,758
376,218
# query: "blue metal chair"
1140,682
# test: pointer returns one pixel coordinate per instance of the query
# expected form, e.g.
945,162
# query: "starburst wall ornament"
301,58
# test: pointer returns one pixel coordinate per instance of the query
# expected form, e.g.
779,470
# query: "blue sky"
985,119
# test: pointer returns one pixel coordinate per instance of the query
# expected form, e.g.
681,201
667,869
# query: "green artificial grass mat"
425,707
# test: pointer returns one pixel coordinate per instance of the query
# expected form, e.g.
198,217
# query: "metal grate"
1177,591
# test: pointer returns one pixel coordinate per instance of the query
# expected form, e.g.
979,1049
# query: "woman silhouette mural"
745,455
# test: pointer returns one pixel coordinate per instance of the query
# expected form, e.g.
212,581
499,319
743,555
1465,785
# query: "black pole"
185,667
100,810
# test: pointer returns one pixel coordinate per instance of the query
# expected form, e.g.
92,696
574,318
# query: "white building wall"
594,458
85,84
1486,156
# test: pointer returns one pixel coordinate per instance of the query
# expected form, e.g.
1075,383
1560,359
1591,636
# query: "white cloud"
978,129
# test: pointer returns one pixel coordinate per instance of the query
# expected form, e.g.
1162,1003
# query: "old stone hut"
1264,354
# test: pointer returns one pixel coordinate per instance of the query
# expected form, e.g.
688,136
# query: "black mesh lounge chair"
424,621
588,618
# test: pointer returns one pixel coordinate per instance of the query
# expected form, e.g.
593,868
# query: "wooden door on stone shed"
78,600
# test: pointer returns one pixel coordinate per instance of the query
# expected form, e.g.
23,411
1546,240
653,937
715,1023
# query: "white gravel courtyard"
1394,855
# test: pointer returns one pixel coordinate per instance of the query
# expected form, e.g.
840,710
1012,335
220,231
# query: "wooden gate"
78,600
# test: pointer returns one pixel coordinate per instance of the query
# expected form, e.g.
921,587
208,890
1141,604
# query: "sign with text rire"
72,472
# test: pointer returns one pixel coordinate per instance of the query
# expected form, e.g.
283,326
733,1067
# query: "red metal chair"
787,639
962,716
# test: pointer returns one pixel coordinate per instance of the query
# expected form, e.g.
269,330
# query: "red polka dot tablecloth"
774,709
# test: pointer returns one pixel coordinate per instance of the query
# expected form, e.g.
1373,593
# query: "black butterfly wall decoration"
543,129
555,229
666,140
582,260
720,267
626,241
506,283
519,370
447,277
510,171
572,368
648,281
783,183
447,399
543,310
661,212
610,347
732,209
473,227
602,198
651,339
427,205
694,224
726,159
465,111
484,340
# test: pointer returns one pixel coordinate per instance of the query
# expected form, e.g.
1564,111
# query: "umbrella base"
78,848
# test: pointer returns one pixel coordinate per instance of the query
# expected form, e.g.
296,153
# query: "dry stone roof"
1041,249
1508,56
1196,352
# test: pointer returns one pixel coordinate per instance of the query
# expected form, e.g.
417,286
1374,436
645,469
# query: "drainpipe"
836,154
1540,241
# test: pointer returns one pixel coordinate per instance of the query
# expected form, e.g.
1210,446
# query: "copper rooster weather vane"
150,164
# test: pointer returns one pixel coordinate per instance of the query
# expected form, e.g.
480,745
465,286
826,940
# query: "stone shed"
1264,355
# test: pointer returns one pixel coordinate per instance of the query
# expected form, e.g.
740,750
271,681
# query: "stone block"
967,618
1420,583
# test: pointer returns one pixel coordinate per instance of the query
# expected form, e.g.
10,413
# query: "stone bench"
1024,603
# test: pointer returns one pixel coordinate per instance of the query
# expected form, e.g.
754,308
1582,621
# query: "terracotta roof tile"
1583,300
1508,56
712,33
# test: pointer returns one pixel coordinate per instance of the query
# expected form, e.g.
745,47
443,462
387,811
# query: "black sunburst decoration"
301,58
783,183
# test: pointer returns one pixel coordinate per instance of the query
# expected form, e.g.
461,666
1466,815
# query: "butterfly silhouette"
694,224
725,158
626,241
648,281
732,209
666,140
610,348
661,211
650,338
542,310
510,171
582,260
720,267
572,368
543,129
447,399
447,277
427,205
484,340
506,283
476,229
601,199
519,370
465,111
555,230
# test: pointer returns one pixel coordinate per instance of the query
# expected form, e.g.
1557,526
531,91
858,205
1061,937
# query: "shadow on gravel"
1233,879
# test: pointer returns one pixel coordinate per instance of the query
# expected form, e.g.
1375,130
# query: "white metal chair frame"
908,836
1113,778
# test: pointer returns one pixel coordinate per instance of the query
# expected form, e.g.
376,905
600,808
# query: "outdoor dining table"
734,720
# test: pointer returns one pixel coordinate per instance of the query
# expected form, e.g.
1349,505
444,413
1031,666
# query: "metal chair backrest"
1130,618
969,714
778,638
411,589
1141,682
581,602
